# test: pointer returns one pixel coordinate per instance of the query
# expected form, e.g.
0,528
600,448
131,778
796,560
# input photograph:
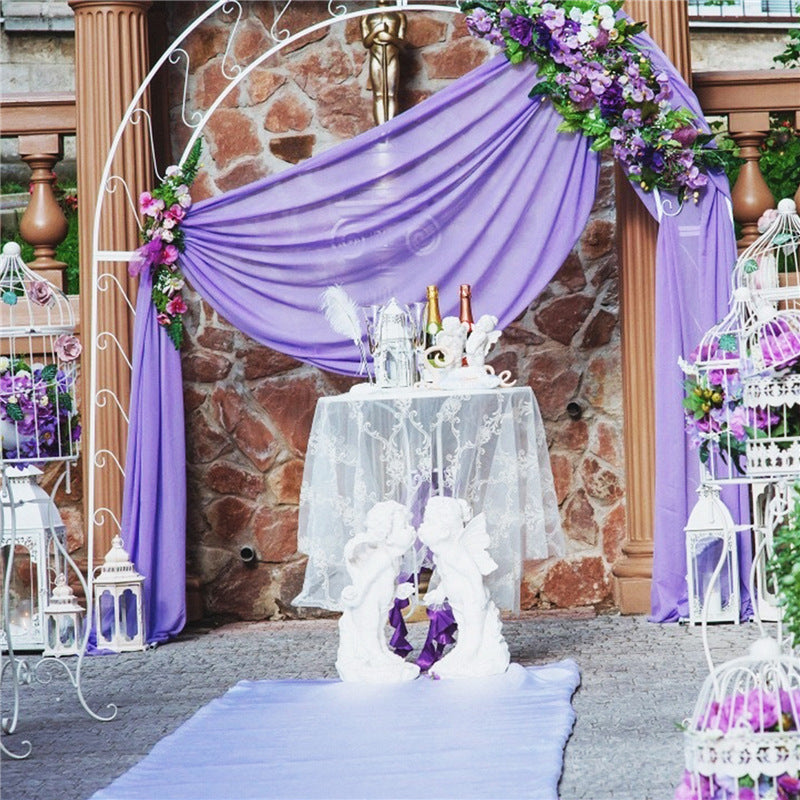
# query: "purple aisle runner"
500,738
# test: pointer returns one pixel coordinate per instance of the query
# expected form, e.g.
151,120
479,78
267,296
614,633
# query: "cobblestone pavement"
639,681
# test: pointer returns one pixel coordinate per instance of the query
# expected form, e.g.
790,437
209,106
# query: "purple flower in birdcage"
780,345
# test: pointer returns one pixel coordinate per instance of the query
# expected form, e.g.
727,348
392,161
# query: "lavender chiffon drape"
475,185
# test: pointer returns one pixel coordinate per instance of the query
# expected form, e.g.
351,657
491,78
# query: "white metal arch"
101,281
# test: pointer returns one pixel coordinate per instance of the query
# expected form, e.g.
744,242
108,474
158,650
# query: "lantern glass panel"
707,555
106,621
23,591
128,619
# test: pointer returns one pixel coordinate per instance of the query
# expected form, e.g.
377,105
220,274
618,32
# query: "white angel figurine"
373,561
461,559
481,339
451,339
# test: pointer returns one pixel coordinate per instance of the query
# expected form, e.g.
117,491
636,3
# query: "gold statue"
382,35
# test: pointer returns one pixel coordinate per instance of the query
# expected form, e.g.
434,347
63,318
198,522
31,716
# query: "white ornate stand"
20,670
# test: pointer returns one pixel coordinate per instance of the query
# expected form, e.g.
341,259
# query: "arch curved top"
236,74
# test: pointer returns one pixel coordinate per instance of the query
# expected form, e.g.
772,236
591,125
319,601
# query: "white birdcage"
770,266
38,367
743,739
713,383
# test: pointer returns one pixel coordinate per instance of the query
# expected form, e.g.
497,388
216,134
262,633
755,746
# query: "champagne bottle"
465,314
433,318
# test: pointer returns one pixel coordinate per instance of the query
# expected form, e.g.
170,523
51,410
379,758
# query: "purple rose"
67,347
685,135
521,29
40,292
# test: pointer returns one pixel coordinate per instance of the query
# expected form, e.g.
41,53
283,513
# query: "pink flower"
67,347
176,306
170,254
766,219
164,319
175,212
147,256
149,205
40,292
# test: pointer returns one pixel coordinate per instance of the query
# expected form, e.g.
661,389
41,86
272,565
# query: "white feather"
342,314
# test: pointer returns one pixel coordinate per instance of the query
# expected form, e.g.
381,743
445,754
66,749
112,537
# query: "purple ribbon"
440,634
398,643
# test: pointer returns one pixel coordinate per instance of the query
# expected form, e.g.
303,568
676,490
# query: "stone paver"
639,681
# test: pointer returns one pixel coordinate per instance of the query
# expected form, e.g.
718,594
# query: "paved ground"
639,681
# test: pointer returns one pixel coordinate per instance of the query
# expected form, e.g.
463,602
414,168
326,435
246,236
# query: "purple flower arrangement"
38,420
597,77
716,419
163,210
757,711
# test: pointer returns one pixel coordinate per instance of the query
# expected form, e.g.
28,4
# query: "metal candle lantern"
63,621
394,351
118,602
29,520
711,560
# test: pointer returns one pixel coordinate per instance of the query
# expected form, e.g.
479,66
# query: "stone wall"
249,409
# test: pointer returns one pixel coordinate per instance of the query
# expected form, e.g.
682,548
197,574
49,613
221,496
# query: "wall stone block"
290,406
233,135
287,113
252,169
553,382
562,475
423,30
263,83
456,60
262,362
293,149
275,531
613,533
227,477
219,339
600,482
600,329
562,318
210,85
229,517
571,274
344,110
203,442
255,439
598,238
205,367
579,521
577,583
284,481
323,67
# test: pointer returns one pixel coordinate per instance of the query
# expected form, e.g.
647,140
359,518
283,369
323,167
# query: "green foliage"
784,567
780,159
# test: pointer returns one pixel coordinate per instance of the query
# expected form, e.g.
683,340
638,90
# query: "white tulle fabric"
485,446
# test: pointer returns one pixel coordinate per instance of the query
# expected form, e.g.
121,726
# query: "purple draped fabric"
474,185
695,254
154,504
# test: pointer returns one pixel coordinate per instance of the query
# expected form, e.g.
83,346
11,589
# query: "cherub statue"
461,559
373,561
450,340
481,339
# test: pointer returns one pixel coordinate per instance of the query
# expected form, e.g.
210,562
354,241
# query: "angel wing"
476,541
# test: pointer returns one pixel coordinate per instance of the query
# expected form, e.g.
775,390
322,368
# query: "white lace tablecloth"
485,446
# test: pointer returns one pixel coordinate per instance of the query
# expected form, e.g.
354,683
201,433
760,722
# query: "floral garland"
603,85
163,210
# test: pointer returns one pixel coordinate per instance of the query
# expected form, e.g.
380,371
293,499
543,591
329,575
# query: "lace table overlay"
487,447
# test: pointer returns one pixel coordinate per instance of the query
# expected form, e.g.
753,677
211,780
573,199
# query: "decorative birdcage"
770,266
38,367
743,738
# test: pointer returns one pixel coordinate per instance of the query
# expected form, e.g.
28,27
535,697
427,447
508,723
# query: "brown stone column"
111,60
667,23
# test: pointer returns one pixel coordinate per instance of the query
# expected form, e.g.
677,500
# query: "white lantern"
712,562
118,602
63,619
30,519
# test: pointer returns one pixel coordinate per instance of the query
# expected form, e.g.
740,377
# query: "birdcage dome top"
747,716
29,303
769,266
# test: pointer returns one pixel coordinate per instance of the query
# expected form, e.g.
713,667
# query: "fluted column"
111,59
667,22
